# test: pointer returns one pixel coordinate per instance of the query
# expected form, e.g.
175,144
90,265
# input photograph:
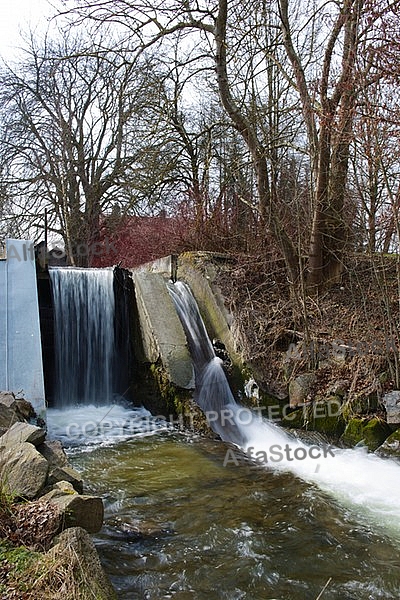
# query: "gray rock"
7,416
54,453
391,446
75,547
23,470
23,432
391,400
7,399
79,511
22,408
66,473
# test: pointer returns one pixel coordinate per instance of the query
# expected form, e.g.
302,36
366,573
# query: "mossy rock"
322,417
331,426
391,446
294,419
361,404
371,432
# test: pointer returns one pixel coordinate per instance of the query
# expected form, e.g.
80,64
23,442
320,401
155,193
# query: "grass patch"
29,575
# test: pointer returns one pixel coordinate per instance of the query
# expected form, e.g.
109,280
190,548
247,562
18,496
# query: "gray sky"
17,15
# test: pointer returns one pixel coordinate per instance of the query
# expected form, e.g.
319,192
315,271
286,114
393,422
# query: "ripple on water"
180,525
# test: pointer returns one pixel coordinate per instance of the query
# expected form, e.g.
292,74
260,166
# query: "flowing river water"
179,524
188,517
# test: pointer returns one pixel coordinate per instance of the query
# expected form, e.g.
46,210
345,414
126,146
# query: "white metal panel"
22,369
3,326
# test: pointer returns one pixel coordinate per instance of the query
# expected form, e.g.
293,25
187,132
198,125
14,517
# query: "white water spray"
362,482
89,427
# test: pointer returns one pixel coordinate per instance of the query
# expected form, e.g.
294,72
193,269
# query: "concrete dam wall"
150,319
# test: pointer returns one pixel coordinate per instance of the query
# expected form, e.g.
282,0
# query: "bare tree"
71,141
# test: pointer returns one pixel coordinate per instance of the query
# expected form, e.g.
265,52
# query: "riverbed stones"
23,470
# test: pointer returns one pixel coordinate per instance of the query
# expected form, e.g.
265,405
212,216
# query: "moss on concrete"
177,405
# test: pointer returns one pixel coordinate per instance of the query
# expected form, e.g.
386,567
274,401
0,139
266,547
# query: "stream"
179,524
189,517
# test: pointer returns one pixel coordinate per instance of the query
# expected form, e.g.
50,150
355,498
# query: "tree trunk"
268,212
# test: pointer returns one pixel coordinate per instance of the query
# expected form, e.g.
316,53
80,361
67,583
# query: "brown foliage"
31,524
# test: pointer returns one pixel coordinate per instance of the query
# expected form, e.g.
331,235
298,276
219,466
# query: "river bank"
328,364
45,518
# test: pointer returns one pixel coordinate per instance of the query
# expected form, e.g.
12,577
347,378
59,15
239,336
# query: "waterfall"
83,302
212,392
361,481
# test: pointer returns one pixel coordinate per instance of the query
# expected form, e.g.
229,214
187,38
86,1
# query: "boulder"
23,432
7,416
54,453
391,401
24,409
23,470
391,446
66,473
21,407
78,510
326,418
75,548
301,388
7,399
372,433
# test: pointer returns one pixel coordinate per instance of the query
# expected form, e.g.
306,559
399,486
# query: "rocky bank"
45,513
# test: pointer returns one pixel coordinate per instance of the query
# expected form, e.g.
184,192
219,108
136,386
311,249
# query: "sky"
20,14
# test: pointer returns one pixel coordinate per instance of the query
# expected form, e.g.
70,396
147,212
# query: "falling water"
362,482
83,301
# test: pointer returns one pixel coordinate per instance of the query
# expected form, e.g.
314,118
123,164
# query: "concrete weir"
21,368
162,333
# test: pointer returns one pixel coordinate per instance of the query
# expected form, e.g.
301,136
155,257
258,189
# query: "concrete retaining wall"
162,333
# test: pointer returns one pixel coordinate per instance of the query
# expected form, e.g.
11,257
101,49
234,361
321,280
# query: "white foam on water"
88,427
362,481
